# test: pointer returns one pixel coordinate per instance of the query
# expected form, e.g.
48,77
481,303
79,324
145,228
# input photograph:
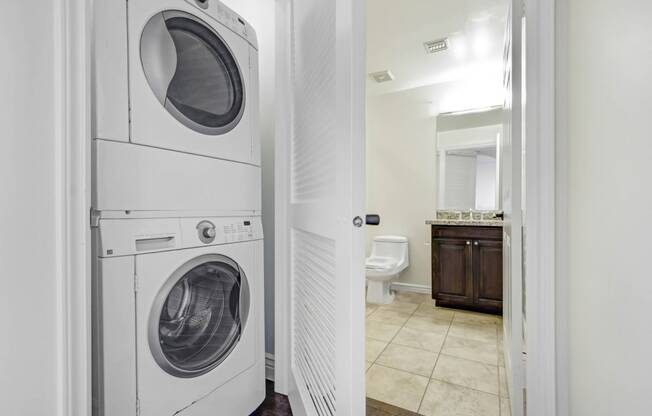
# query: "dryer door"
198,316
192,72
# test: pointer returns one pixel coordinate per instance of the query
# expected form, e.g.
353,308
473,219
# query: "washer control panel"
117,237
224,229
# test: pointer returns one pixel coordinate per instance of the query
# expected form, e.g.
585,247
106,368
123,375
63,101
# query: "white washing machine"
175,94
178,317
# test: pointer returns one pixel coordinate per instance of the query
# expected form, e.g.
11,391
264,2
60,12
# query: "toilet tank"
393,246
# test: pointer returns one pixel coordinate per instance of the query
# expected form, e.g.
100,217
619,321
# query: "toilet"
389,257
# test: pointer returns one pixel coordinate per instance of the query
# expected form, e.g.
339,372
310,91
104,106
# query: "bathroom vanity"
467,264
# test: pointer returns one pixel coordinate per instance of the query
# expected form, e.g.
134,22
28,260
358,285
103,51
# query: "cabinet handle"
468,243
475,243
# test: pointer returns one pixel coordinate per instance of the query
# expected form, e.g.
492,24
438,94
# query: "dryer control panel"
119,237
228,18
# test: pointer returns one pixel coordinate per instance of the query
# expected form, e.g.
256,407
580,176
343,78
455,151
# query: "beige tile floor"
435,361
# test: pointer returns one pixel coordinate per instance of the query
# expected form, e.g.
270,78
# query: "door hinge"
95,218
137,407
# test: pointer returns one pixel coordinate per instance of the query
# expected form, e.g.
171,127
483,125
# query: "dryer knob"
209,232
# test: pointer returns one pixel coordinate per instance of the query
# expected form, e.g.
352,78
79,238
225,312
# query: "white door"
322,196
511,193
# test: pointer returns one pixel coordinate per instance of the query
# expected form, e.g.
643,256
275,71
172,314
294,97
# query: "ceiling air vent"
434,46
382,76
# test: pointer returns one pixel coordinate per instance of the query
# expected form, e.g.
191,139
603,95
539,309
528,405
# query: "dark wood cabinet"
467,267
455,277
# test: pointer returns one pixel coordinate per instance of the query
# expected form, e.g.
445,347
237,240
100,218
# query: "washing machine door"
199,315
192,72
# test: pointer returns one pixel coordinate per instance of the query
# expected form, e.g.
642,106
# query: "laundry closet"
178,280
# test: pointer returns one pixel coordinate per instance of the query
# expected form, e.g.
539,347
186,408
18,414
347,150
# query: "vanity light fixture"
471,111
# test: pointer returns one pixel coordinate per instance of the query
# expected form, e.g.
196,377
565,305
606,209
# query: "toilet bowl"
389,257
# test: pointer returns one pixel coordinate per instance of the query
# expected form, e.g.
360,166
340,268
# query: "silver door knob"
476,243
468,243
357,222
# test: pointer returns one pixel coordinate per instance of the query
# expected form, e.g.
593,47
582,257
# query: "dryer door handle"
158,55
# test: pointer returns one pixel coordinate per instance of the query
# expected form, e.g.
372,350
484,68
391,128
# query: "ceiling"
467,75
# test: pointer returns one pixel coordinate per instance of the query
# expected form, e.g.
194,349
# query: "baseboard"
269,366
411,287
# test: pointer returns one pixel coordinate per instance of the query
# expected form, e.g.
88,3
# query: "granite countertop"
469,223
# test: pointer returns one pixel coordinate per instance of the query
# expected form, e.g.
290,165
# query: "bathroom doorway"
435,122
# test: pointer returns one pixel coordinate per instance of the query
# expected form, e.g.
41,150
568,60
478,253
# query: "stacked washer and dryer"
176,216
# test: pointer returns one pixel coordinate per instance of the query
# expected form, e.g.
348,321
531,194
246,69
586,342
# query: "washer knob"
206,232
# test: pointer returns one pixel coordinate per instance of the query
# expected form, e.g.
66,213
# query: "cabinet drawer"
455,231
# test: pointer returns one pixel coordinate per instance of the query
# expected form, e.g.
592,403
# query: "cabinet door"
488,273
452,272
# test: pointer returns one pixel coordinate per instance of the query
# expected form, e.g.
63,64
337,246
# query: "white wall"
402,176
261,15
29,298
604,64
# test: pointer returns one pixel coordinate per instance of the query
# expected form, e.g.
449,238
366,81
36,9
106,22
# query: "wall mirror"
468,155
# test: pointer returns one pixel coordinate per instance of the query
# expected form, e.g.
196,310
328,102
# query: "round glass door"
198,316
192,72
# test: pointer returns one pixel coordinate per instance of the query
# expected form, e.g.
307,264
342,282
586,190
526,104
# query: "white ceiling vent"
382,76
434,46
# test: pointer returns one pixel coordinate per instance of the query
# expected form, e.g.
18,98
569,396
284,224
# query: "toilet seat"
380,264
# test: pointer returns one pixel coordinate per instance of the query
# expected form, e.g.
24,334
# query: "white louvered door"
325,193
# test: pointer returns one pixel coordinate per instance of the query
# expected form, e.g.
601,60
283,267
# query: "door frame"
542,374
72,43
546,371
282,190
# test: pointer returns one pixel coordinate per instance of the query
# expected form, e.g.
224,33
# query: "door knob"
476,243
372,219
468,243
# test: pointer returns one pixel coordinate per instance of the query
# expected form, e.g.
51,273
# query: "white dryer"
178,317
175,92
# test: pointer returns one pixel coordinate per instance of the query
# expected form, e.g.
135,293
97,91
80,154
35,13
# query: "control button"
209,232
206,232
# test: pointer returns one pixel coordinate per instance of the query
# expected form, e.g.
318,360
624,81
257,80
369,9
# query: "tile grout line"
408,346
442,346
466,387
397,332
436,361
390,342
